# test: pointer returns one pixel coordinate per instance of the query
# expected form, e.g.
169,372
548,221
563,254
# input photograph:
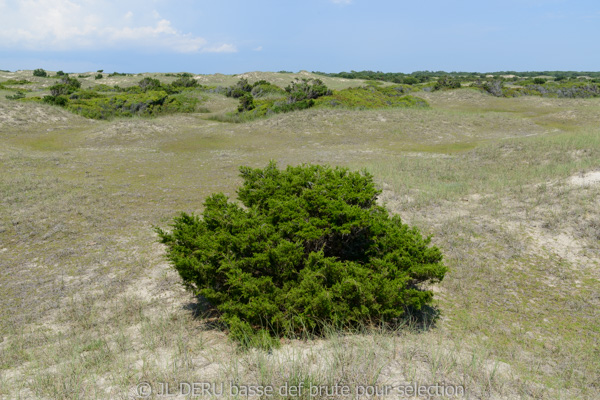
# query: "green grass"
90,307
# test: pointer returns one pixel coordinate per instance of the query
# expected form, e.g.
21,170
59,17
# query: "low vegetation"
148,98
428,76
370,97
264,99
541,87
258,99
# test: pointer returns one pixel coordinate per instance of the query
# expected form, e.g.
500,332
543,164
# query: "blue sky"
315,35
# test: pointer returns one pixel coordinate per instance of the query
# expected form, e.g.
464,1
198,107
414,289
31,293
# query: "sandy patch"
586,179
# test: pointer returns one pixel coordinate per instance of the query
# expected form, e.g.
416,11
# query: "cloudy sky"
316,35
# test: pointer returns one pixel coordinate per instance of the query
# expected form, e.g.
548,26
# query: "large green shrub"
309,247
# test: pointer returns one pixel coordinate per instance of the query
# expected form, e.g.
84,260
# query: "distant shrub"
150,103
85,94
100,71
306,89
149,84
17,96
246,103
58,100
410,80
239,89
369,97
539,81
263,88
185,82
105,88
447,82
494,87
99,76
309,247
527,87
15,82
40,72
66,86
60,73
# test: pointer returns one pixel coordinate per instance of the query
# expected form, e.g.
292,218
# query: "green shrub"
65,87
40,72
246,103
305,89
85,94
309,248
59,100
17,96
446,82
91,104
410,80
98,76
16,82
60,73
263,88
149,84
239,89
185,82
369,97
105,88
539,81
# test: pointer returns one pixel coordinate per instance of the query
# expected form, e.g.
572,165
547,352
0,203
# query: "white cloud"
259,48
93,25
224,48
341,1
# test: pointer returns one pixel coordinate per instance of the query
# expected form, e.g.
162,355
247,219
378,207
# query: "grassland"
507,187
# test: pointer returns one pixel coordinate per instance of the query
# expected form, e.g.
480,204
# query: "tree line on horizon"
427,76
